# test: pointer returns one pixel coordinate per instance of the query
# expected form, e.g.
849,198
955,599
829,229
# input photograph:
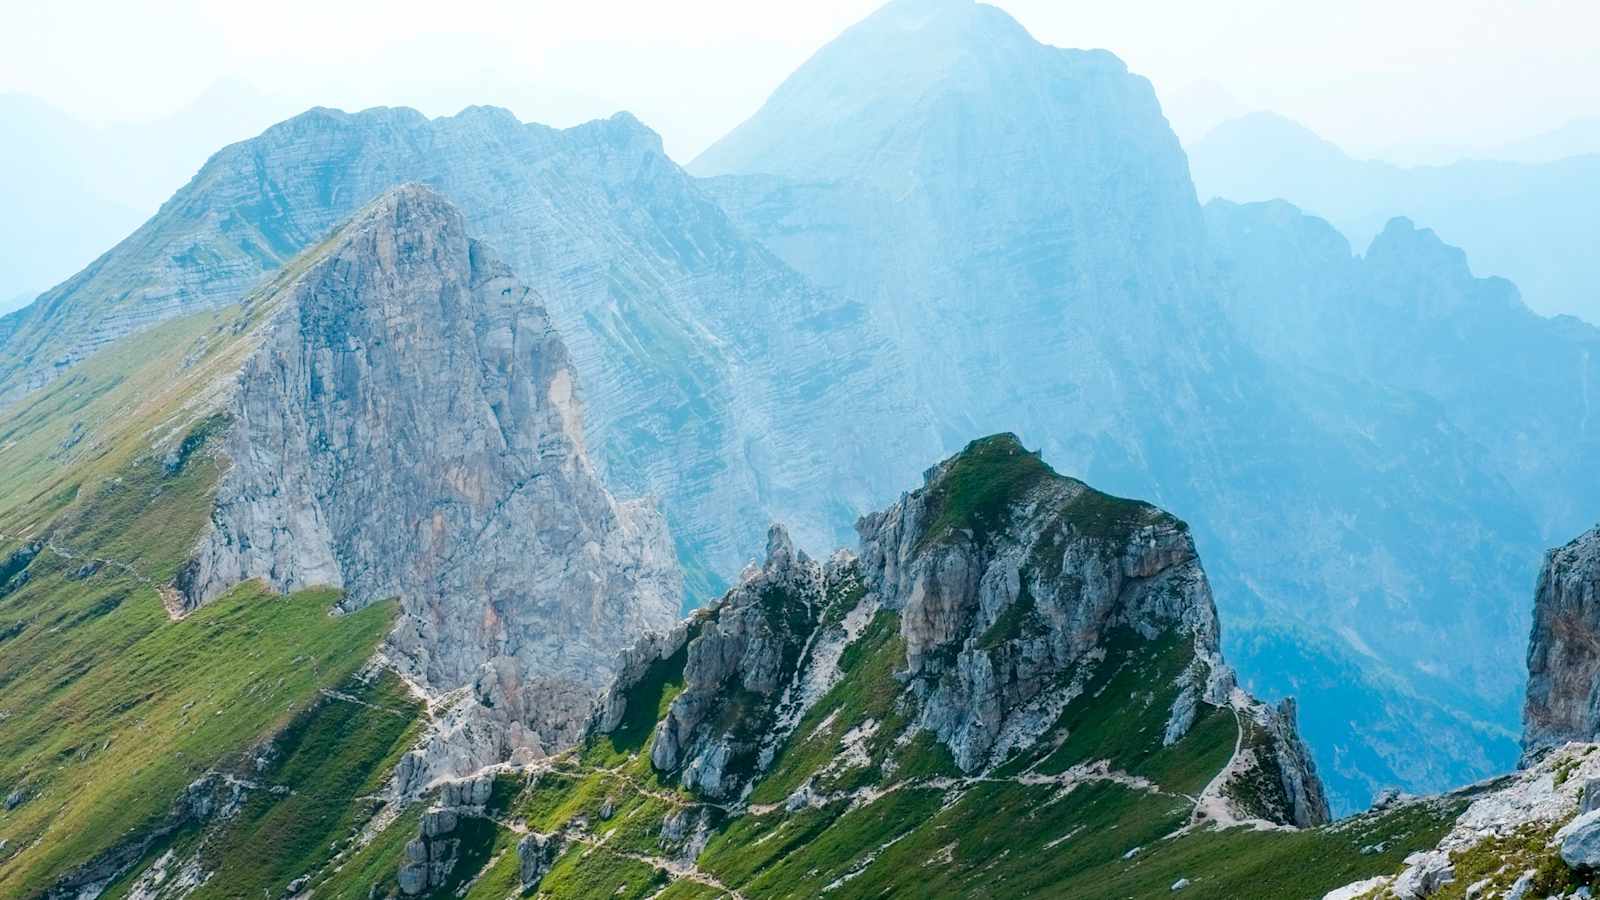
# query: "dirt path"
679,871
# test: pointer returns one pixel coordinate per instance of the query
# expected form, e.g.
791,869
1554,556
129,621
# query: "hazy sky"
1369,74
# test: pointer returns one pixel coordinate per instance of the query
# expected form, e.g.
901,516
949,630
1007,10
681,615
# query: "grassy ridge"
108,709
997,836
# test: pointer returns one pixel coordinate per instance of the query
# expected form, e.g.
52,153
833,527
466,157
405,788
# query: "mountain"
1524,220
1515,382
717,378
939,227
1023,218
369,434
407,427
1015,688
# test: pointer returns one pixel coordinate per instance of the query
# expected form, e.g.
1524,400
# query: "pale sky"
1372,75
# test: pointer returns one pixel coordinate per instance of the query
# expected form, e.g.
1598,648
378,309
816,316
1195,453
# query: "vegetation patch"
1496,862
647,704
979,487
326,761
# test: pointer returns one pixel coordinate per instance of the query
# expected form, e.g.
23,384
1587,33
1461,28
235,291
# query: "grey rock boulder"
536,853
1580,841
1425,873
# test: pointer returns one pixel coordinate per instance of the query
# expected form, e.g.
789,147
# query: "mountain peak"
622,132
404,375
1402,245
399,206
889,80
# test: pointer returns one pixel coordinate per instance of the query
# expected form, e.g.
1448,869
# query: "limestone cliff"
407,427
1564,649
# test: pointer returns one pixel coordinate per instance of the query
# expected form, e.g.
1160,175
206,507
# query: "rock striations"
992,602
714,376
407,427
1564,650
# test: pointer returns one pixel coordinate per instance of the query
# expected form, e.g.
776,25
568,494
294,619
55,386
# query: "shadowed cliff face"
1564,650
407,427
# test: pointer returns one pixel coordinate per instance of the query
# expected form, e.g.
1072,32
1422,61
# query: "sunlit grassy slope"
108,707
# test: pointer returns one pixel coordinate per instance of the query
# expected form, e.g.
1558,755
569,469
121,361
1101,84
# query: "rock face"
715,377
1047,578
996,591
1305,800
408,427
741,659
1564,649
536,853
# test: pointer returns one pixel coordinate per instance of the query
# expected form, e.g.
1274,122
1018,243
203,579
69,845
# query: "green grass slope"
109,709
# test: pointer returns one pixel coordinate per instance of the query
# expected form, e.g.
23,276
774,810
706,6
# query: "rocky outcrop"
1272,776
536,853
1005,586
409,427
211,798
432,856
1006,576
1305,800
1563,701
744,656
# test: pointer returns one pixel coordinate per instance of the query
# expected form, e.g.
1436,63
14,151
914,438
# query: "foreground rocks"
1004,585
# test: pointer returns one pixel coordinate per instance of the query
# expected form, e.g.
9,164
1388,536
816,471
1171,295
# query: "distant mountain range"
1528,215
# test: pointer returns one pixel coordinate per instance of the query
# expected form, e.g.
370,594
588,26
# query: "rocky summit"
1000,592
